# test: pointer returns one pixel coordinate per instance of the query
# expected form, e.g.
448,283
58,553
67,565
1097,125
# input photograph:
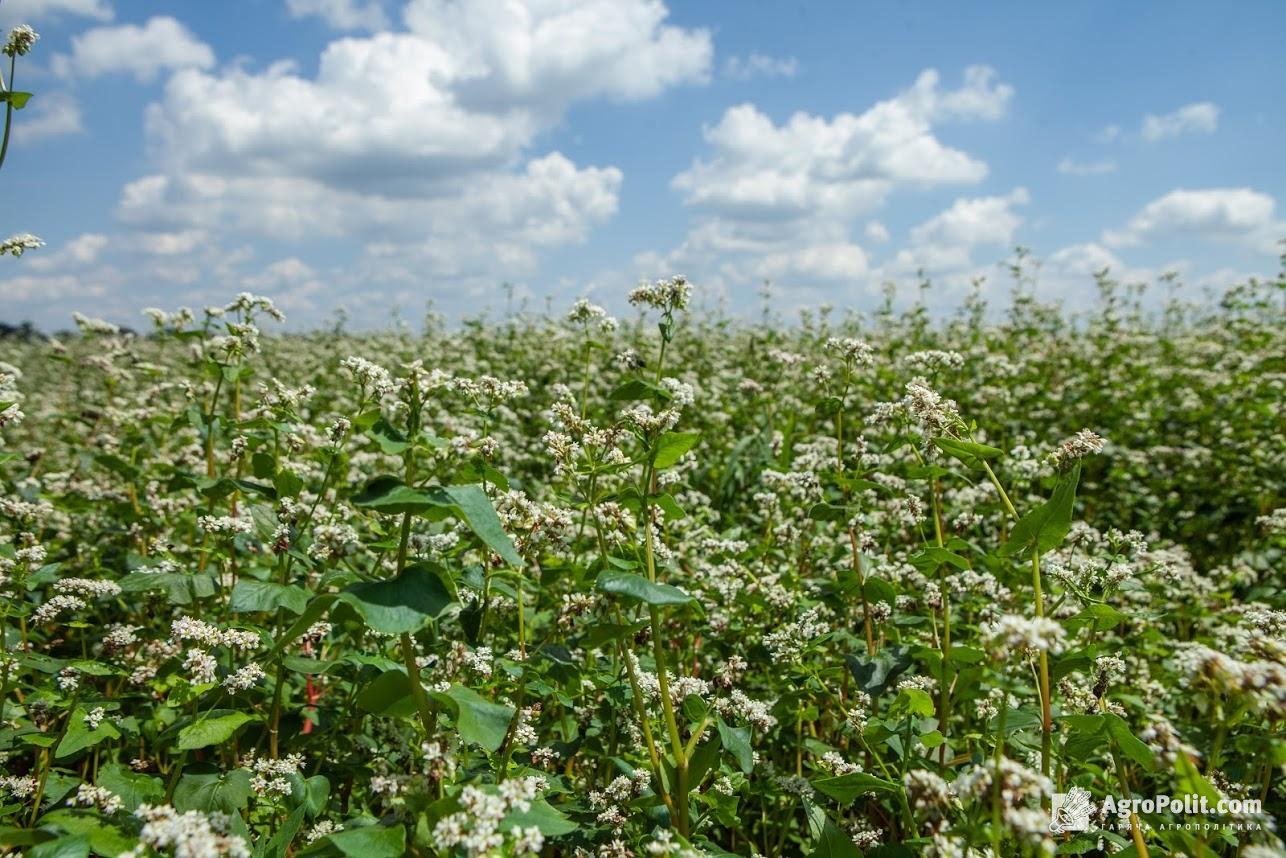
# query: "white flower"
16,245
21,39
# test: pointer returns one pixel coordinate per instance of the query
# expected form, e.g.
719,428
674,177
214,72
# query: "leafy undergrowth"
678,586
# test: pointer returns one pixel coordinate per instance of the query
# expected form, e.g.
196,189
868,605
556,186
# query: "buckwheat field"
674,585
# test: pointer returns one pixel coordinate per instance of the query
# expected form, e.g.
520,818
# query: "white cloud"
970,222
36,12
876,231
513,53
1200,117
840,166
783,200
757,65
163,43
79,251
1238,215
825,262
342,14
414,150
1107,134
1070,167
47,115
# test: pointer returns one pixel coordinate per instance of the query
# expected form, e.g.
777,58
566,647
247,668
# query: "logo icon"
1070,811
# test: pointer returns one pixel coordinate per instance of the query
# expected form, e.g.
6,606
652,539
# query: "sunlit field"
836,585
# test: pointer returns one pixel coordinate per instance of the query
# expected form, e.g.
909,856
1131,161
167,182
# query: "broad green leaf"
252,595
875,673
213,728
737,741
970,453
67,846
390,440
671,447
472,504
1045,527
134,788
79,736
391,496
834,843
1190,780
213,791
371,841
637,388
671,508
848,788
282,837
402,604
479,720
1127,742
541,814
635,586
104,838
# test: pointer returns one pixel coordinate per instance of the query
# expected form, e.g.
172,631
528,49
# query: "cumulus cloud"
162,44
970,222
48,115
782,200
414,154
843,165
1197,118
341,14
1071,167
38,11
757,65
1239,215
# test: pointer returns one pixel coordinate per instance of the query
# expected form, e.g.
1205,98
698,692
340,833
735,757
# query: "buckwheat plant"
884,584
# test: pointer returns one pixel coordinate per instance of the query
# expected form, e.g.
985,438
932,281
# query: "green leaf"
671,447
932,557
1190,781
637,388
671,508
79,736
213,791
834,843
472,504
848,788
829,512
541,814
214,728
391,441
402,604
281,839
479,720
737,741
915,701
68,846
469,503
1127,742
391,496
1045,527
371,841
104,838
317,607
970,453
17,99
637,587
251,595
875,673
134,788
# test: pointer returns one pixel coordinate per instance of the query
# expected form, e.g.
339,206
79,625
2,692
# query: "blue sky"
384,153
